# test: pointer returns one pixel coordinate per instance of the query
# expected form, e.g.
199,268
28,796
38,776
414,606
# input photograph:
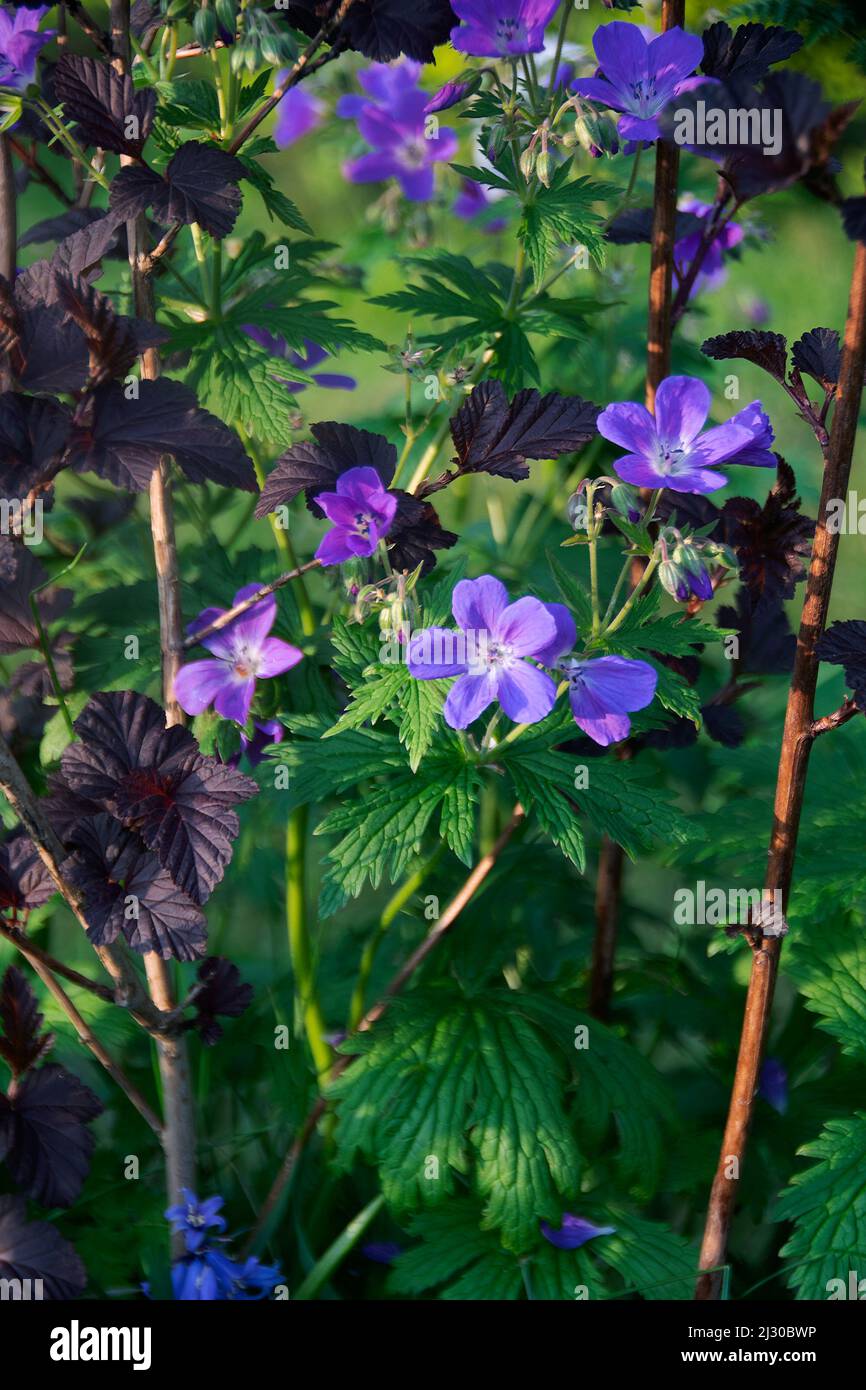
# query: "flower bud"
673,580
625,500
204,27
576,511
527,162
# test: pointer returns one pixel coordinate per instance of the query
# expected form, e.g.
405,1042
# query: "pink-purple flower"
20,45
638,76
243,653
298,113
404,143
573,1232
603,690
712,273
501,28
672,449
493,651
312,356
362,511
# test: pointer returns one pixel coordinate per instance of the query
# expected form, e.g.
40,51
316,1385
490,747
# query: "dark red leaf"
415,534
766,350
314,467
35,1250
109,110
200,185
493,435
22,1042
772,542
819,355
747,52
33,434
224,994
844,644
48,1144
25,882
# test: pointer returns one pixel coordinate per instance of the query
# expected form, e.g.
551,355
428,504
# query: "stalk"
800,732
300,944
611,855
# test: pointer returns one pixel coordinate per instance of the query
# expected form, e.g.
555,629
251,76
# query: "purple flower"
574,1231
20,45
449,95
299,113
383,1252
773,1084
196,1218
362,511
312,355
266,732
243,652
473,200
639,77
490,654
672,449
602,691
394,125
712,273
212,1275
501,28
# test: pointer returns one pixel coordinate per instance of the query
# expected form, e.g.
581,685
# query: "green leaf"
562,213
455,1248
56,736
471,1084
830,970
828,1207
649,1257
278,205
575,596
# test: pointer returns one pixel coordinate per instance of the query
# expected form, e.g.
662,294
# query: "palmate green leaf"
542,793
827,1204
671,634
562,213
455,1248
234,378
830,969
675,693
356,646
318,767
390,690
278,205
304,319
471,1083
575,596
457,821
648,1257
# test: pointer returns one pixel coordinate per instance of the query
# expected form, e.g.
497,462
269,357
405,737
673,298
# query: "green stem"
43,638
633,596
394,905
300,945
560,44
337,1252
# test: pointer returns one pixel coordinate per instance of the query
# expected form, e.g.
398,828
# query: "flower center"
507,29
362,523
414,154
669,457
246,663
487,656
645,96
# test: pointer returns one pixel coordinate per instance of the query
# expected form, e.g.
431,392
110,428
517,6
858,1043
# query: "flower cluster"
405,142
206,1272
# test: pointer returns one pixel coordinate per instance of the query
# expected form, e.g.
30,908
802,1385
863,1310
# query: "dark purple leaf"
35,1250
724,724
82,249
844,644
854,218
114,342
767,644
48,1144
154,780
819,355
32,678
64,225
224,994
24,574
415,534
22,1042
767,350
313,466
33,434
53,349
493,435
126,890
772,542
381,29
128,436
635,225
109,110
25,882
747,52
200,185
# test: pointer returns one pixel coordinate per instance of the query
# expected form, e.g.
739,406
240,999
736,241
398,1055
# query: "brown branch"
373,1014
8,218
29,158
35,953
84,1031
611,860
797,740
127,988
173,1057
87,26
231,613
847,710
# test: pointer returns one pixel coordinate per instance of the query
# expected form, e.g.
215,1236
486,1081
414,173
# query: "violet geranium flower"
491,653
195,1219
243,653
299,113
573,1232
305,361
639,77
362,511
394,125
602,692
20,45
501,28
672,449
712,273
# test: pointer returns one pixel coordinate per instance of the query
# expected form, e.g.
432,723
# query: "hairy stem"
799,735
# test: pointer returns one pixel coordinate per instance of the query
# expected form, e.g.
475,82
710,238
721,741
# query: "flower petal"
619,682
468,697
276,657
566,635
196,685
631,426
435,652
621,50
235,698
526,626
477,603
525,693
681,409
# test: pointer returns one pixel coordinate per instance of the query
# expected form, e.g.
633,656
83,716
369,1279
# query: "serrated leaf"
561,214
827,1204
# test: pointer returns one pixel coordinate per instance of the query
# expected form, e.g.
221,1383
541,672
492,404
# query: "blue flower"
212,1276
574,1231
196,1218
638,77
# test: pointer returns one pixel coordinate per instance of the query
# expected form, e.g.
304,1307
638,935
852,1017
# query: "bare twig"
611,860
231,613
179,1115
35,953
88,27
799,735
373,1014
